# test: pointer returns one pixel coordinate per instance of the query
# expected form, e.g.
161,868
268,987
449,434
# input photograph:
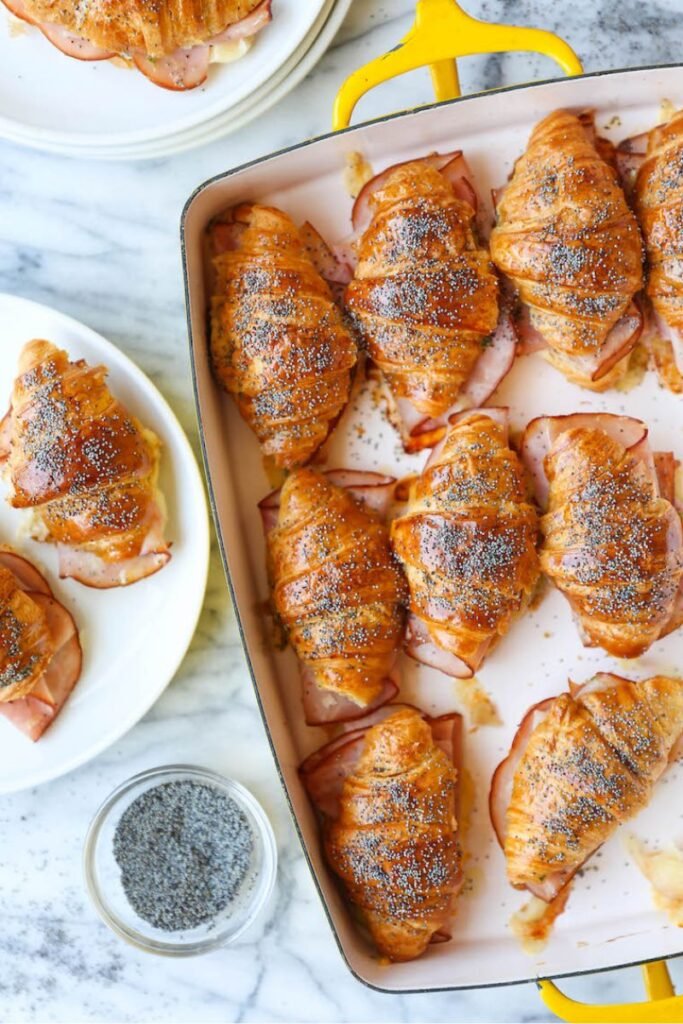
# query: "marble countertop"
99,242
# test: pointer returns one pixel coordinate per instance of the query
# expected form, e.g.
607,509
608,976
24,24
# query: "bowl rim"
263,831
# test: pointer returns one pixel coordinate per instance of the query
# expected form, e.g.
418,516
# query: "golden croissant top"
157,27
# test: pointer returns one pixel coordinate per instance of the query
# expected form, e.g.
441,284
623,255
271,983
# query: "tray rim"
294,147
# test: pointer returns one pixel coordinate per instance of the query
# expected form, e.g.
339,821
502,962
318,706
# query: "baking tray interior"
610,918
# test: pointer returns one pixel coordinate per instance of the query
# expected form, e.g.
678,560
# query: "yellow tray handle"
443,31
663,1006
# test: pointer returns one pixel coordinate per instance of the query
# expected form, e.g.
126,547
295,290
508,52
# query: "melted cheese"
532,924
479,707
664,871
226,53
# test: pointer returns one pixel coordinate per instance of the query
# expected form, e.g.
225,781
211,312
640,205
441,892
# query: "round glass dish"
103,878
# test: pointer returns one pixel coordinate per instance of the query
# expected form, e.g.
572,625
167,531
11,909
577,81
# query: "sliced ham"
420,646
226,236
332,269
619,342
325,776
459,175
73,45
501,793
542,432
68,42
630,157
447,733
345,252
323,773
183,69
189,68
18,9
246,27
453,165
25,573
489,371
530,340
373,490
596,684
93,571
324,707
33,714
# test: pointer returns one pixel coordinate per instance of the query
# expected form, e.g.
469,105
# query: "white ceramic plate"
46,97
282,82
133,638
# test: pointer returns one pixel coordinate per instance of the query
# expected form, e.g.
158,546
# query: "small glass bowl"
103,878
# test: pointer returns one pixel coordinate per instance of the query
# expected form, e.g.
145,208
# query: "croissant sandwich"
467,544
86,469
278,343
171,43
40,653
388,796
336,589
612,539
425,295
657,190
569,243
581,764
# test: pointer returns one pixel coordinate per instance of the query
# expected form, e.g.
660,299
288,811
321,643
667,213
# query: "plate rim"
202,526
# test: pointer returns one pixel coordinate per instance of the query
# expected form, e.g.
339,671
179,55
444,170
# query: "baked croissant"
278,343
580,765
658,199
389,798
611,542
338,592
425,295
86,468
40,653
569,243
467,544
170,42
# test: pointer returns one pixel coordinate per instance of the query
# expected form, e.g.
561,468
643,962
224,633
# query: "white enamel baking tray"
610,919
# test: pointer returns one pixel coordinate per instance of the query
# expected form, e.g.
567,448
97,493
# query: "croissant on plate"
569,243
86,468
658,200
336,589
390,804
40,653
466,540
580,765
278,343
612,539
425,294
171,43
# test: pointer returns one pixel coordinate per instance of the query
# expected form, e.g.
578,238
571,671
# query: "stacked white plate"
103,111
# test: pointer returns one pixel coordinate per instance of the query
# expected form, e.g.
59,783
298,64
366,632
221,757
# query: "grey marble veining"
100,242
